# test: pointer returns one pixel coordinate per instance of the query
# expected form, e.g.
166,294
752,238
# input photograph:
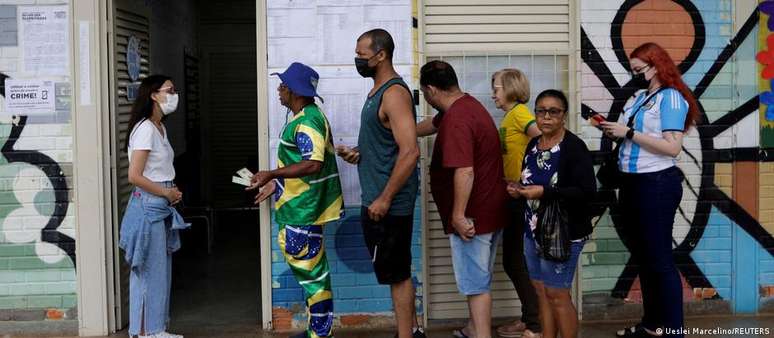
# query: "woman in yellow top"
510,92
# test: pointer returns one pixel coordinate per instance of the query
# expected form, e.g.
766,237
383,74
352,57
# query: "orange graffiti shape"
663,22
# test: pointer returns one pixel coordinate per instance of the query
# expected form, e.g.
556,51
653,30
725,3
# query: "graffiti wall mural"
765,59
37,225
721,236
37,246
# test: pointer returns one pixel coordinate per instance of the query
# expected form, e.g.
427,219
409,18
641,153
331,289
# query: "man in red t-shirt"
466,178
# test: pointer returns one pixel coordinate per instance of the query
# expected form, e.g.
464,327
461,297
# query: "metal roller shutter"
496,25
129,22
478,38
443,299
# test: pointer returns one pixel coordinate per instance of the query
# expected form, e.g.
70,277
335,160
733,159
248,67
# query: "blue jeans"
649,202
556,275
150,283
473,262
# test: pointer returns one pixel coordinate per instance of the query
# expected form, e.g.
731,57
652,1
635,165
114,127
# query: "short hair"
515,84
380,40
438,74
557,94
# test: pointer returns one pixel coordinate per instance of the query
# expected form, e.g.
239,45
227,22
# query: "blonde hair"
515,84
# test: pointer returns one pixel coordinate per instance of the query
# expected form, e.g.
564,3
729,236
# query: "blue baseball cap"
301,80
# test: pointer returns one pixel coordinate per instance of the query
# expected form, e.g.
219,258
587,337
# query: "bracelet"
630,134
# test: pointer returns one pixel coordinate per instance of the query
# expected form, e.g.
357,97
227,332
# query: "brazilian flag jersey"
315,199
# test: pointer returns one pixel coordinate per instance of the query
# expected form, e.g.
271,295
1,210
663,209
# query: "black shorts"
389,243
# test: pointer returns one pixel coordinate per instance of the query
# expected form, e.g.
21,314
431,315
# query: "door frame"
113,258
96,260
262,68
91,166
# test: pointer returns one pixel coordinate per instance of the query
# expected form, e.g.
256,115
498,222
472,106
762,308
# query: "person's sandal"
512,330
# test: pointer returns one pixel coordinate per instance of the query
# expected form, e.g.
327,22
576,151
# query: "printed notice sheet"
44,39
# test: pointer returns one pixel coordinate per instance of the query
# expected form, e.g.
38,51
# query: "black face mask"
638,81
363,69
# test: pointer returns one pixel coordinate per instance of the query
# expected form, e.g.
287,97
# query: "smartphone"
596,120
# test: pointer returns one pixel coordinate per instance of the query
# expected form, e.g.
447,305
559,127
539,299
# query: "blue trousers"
649,202
150,283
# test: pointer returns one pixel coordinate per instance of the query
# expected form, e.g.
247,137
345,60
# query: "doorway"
209,50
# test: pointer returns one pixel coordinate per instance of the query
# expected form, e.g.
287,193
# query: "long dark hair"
143,105
669,76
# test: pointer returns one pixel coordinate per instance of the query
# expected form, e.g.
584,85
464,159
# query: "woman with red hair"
651,187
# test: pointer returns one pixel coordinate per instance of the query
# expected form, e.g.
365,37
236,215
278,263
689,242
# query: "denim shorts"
557,275
473,262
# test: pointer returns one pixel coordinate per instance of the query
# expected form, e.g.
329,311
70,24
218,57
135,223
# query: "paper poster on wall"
9,32
44,39
29,97
84,37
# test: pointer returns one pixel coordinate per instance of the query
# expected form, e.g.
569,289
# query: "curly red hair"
669,75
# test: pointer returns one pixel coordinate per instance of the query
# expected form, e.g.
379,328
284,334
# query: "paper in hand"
240,181
245,173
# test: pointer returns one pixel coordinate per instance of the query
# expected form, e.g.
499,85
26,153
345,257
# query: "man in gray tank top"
386,157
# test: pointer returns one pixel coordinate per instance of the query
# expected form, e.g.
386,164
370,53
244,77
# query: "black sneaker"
636,331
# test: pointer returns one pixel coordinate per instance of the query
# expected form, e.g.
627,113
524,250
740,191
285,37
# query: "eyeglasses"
170,90
552,112
640,70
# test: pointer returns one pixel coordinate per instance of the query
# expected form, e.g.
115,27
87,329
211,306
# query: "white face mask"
170,105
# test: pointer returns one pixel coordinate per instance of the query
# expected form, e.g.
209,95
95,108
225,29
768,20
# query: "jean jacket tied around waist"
146,210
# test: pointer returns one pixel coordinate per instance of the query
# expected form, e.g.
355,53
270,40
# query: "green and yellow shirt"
313,199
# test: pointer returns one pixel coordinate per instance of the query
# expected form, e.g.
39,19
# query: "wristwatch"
630,134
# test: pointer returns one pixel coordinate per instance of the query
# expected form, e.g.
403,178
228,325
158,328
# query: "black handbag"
553,232
609,175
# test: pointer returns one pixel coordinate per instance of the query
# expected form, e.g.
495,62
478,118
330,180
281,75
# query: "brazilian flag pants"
304,251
